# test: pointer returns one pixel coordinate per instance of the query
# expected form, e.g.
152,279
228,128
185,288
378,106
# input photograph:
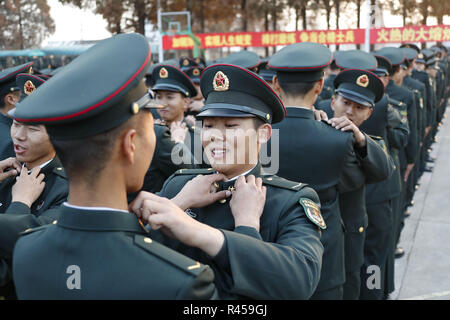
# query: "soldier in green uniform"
420,74
39,183
396,91
330,159
198,101
267,229
173,91
9,96
97,249
353,203
419,90
357,93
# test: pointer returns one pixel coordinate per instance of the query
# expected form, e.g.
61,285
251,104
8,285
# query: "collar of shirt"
298,107
242,174
40,166
93,208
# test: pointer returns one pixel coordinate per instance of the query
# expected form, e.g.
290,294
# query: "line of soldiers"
211,217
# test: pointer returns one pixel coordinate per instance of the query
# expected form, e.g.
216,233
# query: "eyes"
349,103
17,125
229,125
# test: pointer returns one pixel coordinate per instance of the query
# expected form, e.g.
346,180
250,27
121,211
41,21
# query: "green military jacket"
101,253
281,261
406,96
54,194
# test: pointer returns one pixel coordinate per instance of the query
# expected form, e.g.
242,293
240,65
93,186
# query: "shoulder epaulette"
194,171
170,256
283,183
60,172
395,102
31,230
378,138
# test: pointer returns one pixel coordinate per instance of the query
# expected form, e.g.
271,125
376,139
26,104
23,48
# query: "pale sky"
75,24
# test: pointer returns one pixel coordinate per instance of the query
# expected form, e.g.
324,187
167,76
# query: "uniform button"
270,179
148,240
59,168
361,229
223,201
27,230
55,222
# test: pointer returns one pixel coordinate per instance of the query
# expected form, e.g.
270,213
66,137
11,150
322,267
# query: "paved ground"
424,271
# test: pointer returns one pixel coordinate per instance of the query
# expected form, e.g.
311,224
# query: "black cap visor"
355,97
226,110
170,87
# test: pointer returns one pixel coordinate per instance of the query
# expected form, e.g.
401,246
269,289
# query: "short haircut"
395,69
297,89
334,66
87,157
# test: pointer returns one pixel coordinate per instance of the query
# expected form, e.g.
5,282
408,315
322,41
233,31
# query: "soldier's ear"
332,102
318,87
128,145
276,86
187,102
264,133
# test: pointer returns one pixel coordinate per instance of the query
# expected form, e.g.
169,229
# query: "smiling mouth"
19,149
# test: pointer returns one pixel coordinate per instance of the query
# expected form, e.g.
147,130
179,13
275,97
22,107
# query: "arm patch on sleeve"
312,211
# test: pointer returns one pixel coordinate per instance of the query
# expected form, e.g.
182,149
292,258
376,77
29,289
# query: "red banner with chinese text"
275,38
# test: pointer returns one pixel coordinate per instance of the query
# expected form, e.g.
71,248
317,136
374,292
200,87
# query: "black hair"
334,66
297,88
395,69
87,157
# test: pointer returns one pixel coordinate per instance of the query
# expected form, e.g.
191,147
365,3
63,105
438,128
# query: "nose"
19,133
212,135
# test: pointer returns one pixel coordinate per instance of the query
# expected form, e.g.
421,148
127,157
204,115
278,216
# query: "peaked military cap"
384,66
170,78
8,77
194,73
233,91
301,62
411,46
187,62
28,83
245,59
264,71
410,54
395,55
92,95
360,86
424,56
200,61
356,59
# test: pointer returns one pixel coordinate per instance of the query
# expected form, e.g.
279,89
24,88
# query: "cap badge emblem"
220,82
196,72
363,81
29,87
163,73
